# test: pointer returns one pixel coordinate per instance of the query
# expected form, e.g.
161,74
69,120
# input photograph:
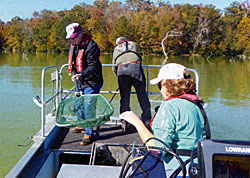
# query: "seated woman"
179,121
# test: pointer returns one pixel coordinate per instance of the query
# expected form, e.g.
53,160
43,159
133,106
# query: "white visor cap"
169,72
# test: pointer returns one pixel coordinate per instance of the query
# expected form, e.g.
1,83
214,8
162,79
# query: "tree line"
202,29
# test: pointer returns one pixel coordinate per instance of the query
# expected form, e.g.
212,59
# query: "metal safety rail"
43,102
148,79
57,77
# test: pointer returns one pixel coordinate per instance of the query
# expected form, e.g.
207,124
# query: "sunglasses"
73,39
159,85
185,77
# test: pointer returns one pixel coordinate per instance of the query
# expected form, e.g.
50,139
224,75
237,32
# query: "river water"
224,86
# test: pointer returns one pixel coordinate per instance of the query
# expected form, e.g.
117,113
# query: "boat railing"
57,77
148,78
54,77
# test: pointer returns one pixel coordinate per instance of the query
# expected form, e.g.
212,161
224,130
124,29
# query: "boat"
54,146
56,152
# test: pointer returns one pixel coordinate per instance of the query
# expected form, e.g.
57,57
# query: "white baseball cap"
169,72
73,30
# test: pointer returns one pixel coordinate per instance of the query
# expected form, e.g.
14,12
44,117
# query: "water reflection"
219,76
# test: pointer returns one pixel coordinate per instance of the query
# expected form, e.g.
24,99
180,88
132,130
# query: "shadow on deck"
108,134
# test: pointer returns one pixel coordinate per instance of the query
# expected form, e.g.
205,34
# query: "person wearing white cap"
86,67
179,121
130,73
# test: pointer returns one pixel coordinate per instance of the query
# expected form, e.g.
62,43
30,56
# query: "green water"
224,85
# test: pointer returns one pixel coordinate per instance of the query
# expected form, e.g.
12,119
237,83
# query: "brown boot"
86,140
77,130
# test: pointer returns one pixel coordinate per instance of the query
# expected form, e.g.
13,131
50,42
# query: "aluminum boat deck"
108,134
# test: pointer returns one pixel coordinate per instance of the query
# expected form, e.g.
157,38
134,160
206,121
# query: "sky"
25,8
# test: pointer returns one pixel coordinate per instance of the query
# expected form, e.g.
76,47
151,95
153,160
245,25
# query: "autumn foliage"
205,30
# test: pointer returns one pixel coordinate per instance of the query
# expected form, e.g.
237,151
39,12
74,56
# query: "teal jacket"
180,124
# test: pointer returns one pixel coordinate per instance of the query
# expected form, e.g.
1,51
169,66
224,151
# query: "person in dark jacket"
85,66
130,73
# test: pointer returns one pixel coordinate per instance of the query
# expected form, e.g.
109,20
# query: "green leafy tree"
208,23
139,5
163,21
14,34
78,14
96,25
243,30
205,30
145,31
101,4
243,36
2,41
27,38
187,27
230,21
42,28
57,41
123,28
112,14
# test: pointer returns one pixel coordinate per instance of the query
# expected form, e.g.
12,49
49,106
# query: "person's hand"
130,117
75,77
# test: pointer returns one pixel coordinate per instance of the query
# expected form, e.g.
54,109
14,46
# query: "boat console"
223,158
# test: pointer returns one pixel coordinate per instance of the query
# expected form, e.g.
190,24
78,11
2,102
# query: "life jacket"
79,58
127,50
198,101
189,97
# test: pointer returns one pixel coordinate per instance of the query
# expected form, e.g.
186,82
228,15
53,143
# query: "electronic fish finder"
224,158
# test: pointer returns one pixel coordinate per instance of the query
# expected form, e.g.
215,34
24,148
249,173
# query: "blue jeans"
90,90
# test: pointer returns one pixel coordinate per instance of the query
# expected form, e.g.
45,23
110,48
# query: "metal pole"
43,97
196,80
43,109
148,80
57,87
60,73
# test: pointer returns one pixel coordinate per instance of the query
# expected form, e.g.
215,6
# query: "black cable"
178,170
126,170
123,172
124,165
182,166
193,166
154,138
139,165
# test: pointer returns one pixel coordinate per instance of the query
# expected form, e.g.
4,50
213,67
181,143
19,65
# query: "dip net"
87,111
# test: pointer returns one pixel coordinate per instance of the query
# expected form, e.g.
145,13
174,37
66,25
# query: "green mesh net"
87,111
